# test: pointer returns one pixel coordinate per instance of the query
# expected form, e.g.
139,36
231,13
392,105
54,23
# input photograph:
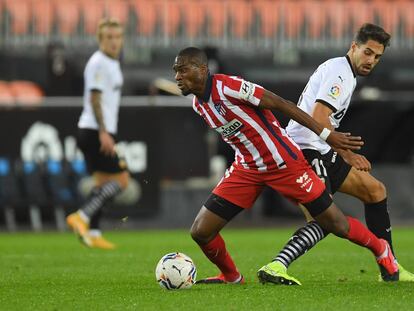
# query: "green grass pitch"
52,271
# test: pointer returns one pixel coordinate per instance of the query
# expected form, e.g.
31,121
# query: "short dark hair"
195,54
372,32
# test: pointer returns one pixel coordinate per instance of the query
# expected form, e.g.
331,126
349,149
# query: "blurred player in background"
96,134
326,98
264,155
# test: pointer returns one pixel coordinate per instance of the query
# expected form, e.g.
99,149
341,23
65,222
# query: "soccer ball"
176,271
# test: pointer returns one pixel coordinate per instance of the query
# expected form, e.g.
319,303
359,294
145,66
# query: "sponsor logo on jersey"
246,90
219,108
335,91
230,128
305,182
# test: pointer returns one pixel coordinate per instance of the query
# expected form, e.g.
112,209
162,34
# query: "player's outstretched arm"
335,139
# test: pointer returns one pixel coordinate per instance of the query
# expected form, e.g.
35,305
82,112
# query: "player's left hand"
358,161
339,140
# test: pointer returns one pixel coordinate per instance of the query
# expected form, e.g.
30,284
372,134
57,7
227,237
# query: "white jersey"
332,84
103,74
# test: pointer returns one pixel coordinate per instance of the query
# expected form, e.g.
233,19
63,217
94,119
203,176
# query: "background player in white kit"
96,134
326,98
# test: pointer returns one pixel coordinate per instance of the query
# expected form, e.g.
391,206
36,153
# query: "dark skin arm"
321,114
335,139
106,140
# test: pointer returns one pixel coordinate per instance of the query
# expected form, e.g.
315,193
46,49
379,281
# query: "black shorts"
330,167
88,142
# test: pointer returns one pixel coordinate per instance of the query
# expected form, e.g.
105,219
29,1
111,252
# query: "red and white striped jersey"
230,106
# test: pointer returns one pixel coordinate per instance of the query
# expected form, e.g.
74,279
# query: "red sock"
359,234
216,251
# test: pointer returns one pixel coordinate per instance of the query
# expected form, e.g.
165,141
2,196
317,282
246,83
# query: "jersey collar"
207,91
350,65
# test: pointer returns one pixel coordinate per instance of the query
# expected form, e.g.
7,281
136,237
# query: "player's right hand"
107,143
339,140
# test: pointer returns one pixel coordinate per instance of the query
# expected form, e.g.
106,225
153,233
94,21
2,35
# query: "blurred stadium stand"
45,44
262,24
279,42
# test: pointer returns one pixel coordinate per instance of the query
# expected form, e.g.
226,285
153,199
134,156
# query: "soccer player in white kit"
97,128
326,98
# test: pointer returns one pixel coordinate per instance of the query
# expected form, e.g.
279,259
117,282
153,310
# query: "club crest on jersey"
335,91
219,108
230,128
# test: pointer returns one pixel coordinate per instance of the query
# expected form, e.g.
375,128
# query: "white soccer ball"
176,271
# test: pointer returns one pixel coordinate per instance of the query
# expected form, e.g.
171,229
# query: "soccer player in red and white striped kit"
264,156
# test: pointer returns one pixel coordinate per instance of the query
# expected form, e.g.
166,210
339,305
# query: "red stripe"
248,158
250,132
256,139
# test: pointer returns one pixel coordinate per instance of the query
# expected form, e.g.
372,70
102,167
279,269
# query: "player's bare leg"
372,192
205,232
334,221
369,190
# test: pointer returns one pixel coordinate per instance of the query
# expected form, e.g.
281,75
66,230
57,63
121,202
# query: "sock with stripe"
359,234
216,251
95,219
378,220
98,199
301,241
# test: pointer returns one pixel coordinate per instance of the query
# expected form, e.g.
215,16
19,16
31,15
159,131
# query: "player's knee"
375,192
199,234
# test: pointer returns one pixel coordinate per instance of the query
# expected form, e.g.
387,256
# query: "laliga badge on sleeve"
334,91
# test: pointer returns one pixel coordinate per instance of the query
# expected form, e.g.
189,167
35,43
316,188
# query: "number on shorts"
319,168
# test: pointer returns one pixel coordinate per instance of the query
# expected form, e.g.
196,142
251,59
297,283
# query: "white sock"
84,217
237,280
95,233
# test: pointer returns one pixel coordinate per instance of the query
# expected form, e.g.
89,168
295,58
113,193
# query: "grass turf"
53,271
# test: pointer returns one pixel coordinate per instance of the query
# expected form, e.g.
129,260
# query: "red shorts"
297,182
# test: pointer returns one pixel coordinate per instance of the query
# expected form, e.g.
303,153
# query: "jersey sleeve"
94,77
245,91
332,91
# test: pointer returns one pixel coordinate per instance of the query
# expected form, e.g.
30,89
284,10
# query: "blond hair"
107,22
